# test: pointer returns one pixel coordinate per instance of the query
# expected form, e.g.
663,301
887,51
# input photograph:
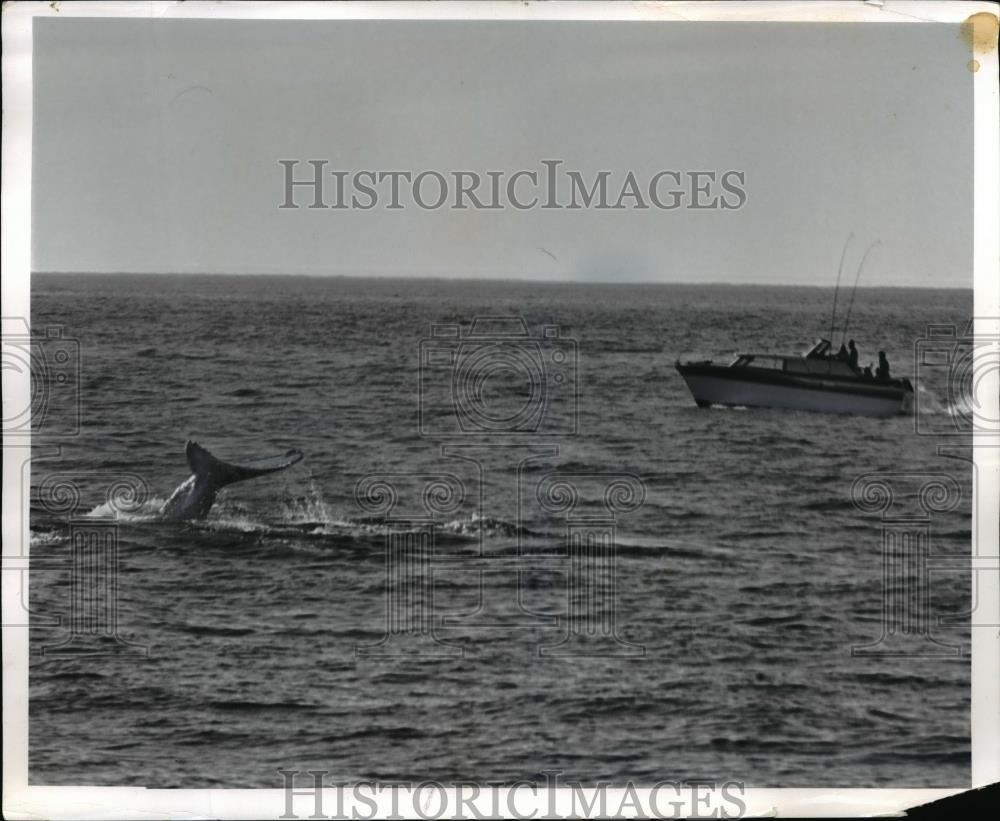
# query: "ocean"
734,572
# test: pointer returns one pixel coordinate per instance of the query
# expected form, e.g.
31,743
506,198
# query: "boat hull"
715,385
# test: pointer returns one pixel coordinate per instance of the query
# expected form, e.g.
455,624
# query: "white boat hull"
714,390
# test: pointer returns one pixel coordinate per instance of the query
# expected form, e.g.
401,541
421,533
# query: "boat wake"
932,405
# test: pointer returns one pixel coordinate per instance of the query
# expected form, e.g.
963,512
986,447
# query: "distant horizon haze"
520,280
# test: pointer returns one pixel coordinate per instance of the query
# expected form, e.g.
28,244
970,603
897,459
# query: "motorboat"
814,381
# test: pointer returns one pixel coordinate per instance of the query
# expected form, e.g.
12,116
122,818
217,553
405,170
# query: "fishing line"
836,291
854,290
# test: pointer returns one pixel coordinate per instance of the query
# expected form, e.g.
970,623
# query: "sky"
156,146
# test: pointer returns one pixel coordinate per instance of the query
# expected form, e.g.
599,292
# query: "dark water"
746,575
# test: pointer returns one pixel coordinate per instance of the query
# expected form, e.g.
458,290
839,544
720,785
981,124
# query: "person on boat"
852,358
882,371
842,353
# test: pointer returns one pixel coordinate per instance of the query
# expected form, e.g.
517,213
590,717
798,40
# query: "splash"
960,407
235,523
309,509
310,514
147,512
476,525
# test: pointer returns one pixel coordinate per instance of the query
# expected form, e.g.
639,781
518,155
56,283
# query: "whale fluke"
195,497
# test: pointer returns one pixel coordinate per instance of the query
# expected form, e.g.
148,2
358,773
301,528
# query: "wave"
469,528
491,526
258,706
312,510
42,538
310,516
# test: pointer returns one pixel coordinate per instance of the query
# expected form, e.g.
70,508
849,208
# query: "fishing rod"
836,291
854,290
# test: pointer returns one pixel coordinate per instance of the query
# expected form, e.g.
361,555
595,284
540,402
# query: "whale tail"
195,497
206,466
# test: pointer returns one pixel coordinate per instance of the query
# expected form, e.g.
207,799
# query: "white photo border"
23,801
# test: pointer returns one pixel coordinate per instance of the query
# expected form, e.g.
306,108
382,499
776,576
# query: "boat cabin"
816,362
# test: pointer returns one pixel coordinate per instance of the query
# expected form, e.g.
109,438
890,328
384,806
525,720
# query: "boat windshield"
820,348
759,361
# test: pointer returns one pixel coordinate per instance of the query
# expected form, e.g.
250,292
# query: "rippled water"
742,580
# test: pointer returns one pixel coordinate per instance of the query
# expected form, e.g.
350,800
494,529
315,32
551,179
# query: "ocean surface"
284,631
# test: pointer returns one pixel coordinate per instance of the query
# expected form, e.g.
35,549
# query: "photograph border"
24,801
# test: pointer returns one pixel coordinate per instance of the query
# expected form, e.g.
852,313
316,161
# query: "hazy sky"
156,146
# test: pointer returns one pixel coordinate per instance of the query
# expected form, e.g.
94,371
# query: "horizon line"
496,279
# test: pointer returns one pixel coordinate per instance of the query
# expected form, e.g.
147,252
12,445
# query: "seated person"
852,358
882,371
